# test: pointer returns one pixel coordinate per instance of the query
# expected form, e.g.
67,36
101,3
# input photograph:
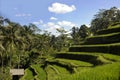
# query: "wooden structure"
17,71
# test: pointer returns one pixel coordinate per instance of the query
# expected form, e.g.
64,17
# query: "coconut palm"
11,39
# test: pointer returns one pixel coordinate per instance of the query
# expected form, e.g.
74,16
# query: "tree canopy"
104,18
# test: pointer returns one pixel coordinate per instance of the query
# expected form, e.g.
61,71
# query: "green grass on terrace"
104,57
105,72
112,57
51,73
60,63
110,29
61,70
28,75
109,56
116,26
112,44
104,36
81,53
109,71
41,75
74,63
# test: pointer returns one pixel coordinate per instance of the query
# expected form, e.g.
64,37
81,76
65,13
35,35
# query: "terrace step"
63,64
103,48
83,57
50,72
75,63
40,73
28,75
109,30
103,39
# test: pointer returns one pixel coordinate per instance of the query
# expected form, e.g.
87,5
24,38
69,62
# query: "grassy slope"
110,71
57,68
41,75
28,75
105,72
76,63
38,74
113,48
111,29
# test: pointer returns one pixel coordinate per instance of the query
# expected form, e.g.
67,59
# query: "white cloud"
66,24
61,8
88,25
60,24
38,22
22,15
52,26
53,18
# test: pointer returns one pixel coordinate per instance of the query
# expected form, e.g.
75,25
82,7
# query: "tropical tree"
11,40
84,31
75,35
1,21
104,18
61,39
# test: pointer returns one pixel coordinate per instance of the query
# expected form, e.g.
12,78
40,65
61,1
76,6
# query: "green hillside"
98,58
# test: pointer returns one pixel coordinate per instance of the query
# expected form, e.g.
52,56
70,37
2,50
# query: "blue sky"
52,14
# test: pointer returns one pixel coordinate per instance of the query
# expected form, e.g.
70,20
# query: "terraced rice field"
72,69
98,58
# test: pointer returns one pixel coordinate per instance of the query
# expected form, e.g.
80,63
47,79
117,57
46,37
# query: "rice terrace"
28,52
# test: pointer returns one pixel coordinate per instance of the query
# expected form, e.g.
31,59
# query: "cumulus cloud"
38,22
22,15
53,18
88,25
61,8
52,26
66,24
60,24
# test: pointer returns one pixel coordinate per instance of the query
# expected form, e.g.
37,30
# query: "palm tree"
29,34
11,39
1,56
